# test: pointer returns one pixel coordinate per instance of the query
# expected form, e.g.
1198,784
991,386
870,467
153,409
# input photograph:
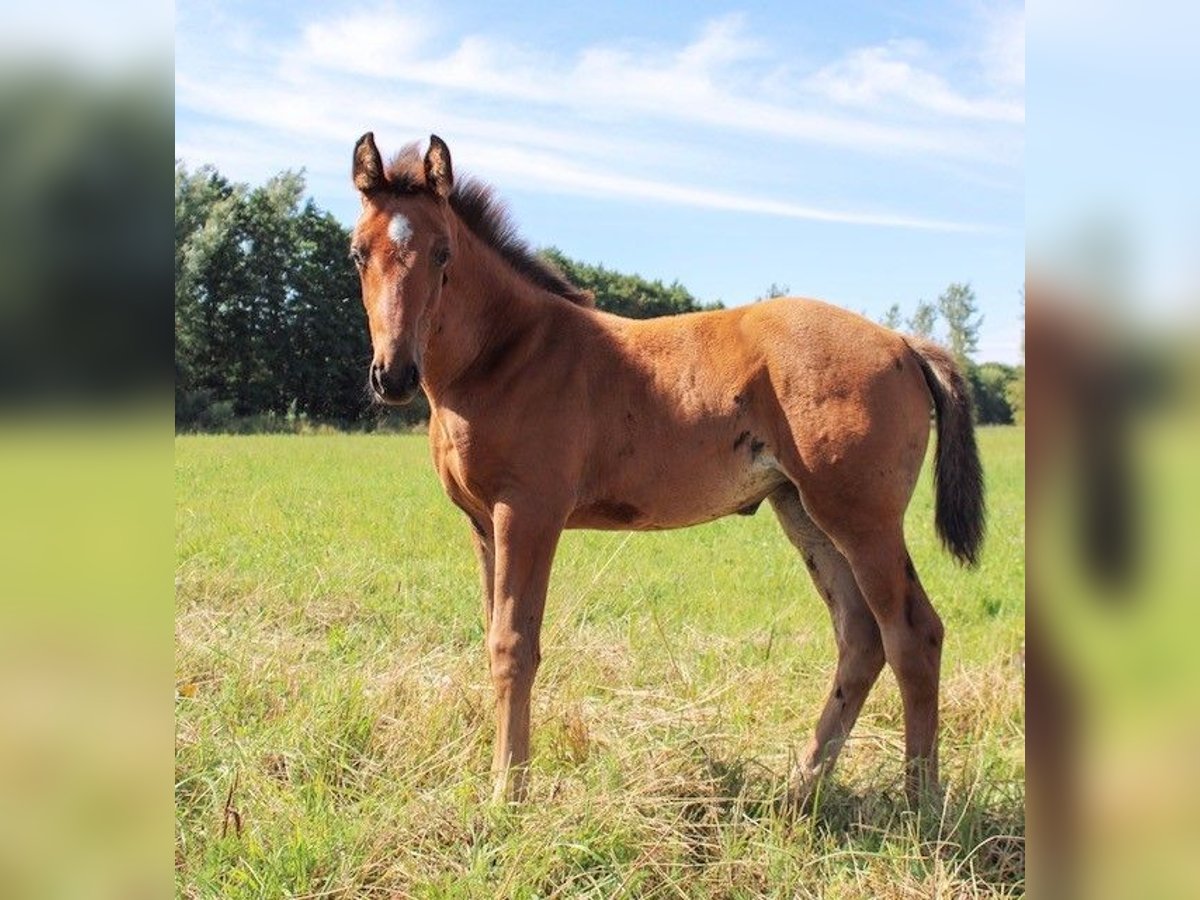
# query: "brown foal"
548,414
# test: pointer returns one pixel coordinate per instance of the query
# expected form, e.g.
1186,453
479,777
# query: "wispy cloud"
703,83
1002,54
514,153
891,76
548,172
521,111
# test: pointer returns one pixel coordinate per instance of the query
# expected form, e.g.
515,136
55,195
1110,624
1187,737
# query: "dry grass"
334,716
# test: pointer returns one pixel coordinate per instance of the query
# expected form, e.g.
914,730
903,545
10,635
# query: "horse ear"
438,173
368,167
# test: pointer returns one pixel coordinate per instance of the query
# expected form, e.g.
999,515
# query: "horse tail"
957,473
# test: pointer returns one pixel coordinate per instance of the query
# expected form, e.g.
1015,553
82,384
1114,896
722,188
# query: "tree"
1016,389
269,238
958,307
207,271
891,318
625,295
328,347
775,290
990,386
267,316
1015,394
924,320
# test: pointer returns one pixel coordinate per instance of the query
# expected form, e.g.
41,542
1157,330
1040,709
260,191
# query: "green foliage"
775,290
924,319
959,309
267,313
626,295
990,383
892,318
998,390
1015,392
82,249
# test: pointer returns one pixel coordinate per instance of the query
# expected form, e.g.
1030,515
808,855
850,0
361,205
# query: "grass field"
333,710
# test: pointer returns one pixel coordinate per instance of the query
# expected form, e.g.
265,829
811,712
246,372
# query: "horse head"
402,246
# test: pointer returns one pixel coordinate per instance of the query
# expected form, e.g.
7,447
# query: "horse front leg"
525,541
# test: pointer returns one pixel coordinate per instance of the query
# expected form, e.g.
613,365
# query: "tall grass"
333,711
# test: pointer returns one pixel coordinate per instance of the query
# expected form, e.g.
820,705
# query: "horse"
548,414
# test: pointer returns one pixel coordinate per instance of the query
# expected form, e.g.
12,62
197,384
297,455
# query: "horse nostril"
394,384
376,378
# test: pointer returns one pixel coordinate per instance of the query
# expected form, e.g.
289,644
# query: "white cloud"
706,82
722,41
1003,52
365,44
891,76
497,153
540,171
607,119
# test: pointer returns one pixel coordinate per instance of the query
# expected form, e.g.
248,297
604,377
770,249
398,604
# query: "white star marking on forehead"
399,229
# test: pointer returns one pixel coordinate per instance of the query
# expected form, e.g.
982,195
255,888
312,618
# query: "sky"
1112,197
864,153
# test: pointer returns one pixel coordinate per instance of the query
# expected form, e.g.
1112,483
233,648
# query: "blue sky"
866,153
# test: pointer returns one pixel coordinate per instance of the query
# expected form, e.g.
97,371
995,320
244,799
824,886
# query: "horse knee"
514,658
922,625
871,658
857,672
917,662
926,631
935,631
859,642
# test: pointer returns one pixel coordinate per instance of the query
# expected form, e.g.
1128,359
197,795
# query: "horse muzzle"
394,385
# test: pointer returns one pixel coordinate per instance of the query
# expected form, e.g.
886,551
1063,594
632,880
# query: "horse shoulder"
450,446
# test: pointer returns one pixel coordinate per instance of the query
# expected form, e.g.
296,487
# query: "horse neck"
484,306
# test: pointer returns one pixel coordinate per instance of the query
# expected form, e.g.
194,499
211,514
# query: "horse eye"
358,257
441,256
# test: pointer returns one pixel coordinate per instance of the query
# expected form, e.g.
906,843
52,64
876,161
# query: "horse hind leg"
912,636
860,648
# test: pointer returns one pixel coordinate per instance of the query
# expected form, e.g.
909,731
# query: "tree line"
270,333
998,389
268,324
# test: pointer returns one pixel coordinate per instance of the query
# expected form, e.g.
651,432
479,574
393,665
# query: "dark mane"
485,215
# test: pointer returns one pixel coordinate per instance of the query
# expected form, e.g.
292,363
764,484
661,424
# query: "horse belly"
688,493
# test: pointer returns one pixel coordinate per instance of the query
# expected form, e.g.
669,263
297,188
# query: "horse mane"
488,219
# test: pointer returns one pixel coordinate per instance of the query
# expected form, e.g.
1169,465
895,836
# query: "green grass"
333,712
